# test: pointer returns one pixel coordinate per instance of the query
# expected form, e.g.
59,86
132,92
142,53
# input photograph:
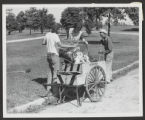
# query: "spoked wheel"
95,83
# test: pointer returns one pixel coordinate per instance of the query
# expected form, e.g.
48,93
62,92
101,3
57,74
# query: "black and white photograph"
72,60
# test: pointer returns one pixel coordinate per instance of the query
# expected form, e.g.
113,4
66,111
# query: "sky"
56,10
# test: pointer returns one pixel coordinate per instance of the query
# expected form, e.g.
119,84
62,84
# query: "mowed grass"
125,28
25,34
25,87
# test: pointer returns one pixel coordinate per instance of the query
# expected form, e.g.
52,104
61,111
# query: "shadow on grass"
40,80
131,29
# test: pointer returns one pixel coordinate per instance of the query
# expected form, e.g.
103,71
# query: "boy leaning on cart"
53,43
108,46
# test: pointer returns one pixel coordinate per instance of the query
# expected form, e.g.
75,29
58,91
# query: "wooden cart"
81,81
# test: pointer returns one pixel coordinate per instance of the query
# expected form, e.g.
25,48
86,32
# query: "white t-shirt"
52,39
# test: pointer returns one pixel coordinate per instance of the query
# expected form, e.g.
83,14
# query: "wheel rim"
95,83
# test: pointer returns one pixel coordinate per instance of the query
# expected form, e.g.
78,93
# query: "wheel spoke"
92,75
95,73
90,79
92,87
100,91
91,83
95,83
96,95
97,78
100,75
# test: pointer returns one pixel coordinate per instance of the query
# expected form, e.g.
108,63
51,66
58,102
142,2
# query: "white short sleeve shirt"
52,40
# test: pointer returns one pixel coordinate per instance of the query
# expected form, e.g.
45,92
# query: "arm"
110,46
59,44
65,46
95,42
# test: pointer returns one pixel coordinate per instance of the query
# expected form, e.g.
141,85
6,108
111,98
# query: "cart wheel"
95,83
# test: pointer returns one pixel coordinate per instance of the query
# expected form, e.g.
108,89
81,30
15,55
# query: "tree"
94,15
21,20
43,19
11,23
133,13
32,16
70,17
57,26
88,24
113,13
50,21
115,22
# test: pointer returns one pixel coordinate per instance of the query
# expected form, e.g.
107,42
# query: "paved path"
122,96
38,38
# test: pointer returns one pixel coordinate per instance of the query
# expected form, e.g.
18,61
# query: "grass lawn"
24,87
26,33
128,28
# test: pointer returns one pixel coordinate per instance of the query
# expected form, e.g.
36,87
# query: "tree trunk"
20,30
41,29
109,26
67,33
9,32
30,31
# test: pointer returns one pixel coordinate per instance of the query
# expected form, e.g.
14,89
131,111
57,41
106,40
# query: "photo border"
140,58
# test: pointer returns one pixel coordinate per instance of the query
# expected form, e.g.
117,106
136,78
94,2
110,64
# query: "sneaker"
53,100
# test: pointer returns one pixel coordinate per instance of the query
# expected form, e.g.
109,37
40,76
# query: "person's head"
77,28
103,33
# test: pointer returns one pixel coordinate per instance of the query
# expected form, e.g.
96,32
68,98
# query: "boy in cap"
108,46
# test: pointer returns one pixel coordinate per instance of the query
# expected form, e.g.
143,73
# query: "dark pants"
53,61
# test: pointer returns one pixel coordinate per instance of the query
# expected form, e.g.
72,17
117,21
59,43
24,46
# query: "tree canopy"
70,17
21,20
11,23
32,18
92,17
133,14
